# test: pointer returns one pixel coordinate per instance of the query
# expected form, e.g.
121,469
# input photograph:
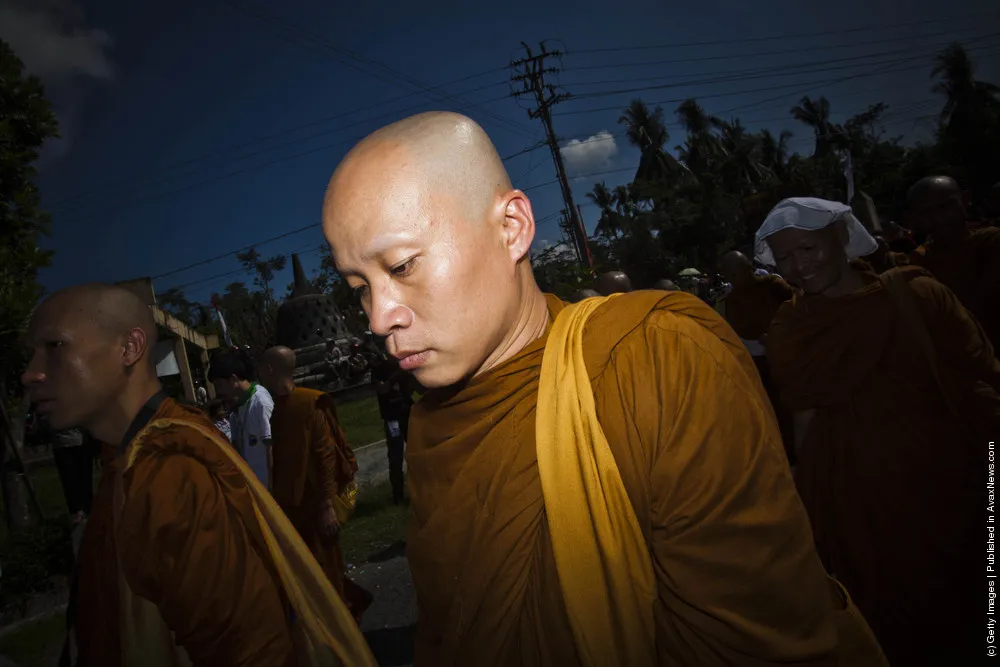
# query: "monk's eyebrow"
384,243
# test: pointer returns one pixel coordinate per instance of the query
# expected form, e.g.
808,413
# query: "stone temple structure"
329,356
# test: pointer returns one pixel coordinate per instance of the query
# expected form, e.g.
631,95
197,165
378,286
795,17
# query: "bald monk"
313,464
613,282
749,308
582,294
890,467
427,229
751,304
172,543
667,285
966,261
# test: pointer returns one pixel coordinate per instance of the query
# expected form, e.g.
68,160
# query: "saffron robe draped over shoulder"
184,546
892,480
750,308
312,464
972,271
737,577
193,563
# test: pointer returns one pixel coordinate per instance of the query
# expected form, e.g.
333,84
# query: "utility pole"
530,74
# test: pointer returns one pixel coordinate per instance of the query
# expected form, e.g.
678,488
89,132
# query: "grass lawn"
376,526
361,421
36,644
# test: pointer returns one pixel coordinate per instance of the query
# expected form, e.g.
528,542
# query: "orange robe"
738,578
893,482
188,542
749,310
751,307
312,463
972,271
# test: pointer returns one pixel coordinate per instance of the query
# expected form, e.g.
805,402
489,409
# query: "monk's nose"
33,374
388,314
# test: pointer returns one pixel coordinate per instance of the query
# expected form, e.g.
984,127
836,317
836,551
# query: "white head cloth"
810,214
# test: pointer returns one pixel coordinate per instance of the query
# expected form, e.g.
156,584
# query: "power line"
121,184
329,48
751,73
747,40
233,252
798,85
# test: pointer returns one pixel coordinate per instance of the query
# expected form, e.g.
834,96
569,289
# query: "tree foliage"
688,208
26,122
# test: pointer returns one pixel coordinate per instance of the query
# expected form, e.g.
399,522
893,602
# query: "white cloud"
53,41
593,153
50,39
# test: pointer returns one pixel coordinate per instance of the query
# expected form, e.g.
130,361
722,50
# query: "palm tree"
774,152
647,131
742,166
608,226
816,114
965,98
701,146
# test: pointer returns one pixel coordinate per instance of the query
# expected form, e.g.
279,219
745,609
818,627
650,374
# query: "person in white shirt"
233,373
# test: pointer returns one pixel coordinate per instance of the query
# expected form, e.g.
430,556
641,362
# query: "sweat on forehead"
439,155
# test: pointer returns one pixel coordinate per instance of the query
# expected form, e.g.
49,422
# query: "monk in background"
966,261
581,294
891,464
186,538
613,282
313,464
749,308
428,230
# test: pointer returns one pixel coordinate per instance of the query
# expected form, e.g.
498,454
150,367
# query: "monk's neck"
284,388
113,422
850,281
532,323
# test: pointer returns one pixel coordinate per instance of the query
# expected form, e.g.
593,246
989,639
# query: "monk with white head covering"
893,387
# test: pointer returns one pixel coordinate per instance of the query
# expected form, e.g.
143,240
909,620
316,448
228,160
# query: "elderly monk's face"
937,212
812,260
76,369
436,277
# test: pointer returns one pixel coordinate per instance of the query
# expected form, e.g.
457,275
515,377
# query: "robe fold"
738,579
893,481
972,271
751,307
312,464
188,542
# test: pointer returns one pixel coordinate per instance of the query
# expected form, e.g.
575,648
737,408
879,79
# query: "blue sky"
192,129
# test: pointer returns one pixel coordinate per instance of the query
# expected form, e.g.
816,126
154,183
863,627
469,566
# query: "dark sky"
193,128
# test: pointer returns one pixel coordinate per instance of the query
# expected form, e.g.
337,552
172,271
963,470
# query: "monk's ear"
518,226
135,347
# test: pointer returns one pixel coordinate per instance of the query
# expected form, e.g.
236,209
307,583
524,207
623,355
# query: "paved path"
390,622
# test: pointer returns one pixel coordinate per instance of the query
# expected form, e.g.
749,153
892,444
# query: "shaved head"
92,353
933,184
613,282
446,153
668,285
426,227
737,268
280,358
276,369
581,294
935,208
